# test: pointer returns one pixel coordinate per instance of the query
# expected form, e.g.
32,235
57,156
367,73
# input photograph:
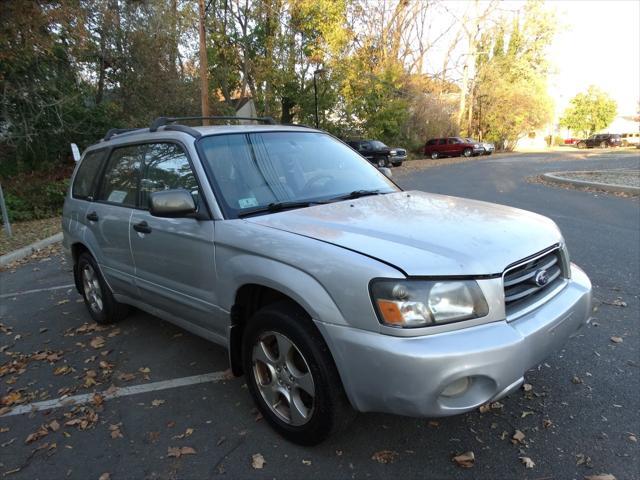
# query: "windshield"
256,170
378,144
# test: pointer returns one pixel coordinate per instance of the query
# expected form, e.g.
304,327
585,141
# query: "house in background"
245,107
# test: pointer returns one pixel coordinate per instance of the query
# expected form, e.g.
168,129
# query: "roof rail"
161,121
118,131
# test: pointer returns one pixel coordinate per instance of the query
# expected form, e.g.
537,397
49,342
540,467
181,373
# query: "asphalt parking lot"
174,413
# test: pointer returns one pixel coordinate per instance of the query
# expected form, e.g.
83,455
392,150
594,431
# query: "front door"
174,257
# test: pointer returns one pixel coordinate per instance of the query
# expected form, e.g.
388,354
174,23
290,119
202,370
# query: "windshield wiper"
356,194
276,207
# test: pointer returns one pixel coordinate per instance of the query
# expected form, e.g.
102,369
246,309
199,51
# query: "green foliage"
589,112
34,196
512,83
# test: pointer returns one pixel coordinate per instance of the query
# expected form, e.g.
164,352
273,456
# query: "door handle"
142,227
93,217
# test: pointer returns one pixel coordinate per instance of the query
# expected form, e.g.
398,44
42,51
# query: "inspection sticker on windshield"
247,202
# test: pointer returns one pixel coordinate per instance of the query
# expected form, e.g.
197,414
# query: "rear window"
431,142
85,180
120,181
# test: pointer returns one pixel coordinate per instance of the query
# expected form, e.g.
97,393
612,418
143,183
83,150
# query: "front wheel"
434,155
291,375
467,152
603,145
582,145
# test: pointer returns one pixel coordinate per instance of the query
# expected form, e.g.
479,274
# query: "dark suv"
602,140
452,147
378,153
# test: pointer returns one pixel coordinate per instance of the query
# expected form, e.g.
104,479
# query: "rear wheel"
603,145
98,298
582,145
467,152
434,155
292,376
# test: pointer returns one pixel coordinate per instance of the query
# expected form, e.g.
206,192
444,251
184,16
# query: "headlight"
393,152
420,303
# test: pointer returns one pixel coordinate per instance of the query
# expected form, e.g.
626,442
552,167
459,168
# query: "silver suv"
333,289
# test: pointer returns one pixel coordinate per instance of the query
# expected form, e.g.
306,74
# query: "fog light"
456,388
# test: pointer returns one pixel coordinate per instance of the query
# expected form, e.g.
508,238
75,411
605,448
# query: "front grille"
524,282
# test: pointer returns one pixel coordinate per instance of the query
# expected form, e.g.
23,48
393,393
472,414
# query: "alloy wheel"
91,288
283,378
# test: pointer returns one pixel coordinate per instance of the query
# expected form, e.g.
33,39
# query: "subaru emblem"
541,278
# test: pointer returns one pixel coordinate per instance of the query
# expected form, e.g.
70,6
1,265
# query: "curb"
29,249
608,187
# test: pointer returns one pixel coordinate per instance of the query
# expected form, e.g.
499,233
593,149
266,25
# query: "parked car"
602,140
378,153
452,147
630,139
571,141
332,288
487,148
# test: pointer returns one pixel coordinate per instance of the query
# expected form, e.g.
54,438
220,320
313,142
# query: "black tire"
467,152
108,310
331,410
582,145
604,144
434,155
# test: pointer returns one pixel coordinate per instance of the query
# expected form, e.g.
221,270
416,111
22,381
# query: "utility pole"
319,71
204,77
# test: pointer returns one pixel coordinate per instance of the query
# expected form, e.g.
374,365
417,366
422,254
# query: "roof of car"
142,134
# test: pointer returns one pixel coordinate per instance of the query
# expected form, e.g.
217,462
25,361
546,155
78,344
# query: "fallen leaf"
527,387
37,435
546,423
126,377
306,462
178,452
616,339
577,380
485,408
54,426
144,370
632,438
465,460
385,456
517,437
257,461
115,431
105,476
97,342
601,476
528,463
113,333
62,302
526,414
157,402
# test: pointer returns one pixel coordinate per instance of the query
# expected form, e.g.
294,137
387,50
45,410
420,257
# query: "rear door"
108,217
174,257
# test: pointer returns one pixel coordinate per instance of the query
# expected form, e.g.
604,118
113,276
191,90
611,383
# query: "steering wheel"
316,179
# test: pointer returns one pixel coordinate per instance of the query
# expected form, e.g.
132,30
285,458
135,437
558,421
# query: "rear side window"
120,182
431,142
85,180
442,141
166,167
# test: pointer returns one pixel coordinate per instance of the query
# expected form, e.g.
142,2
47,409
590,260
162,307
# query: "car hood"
424,234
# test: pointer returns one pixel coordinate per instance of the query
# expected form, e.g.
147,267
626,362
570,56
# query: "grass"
25,233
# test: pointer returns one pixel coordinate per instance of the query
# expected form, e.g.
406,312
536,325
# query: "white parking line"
37,290
118,392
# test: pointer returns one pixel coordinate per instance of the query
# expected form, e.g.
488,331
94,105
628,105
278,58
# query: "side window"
120,182
442,141
431,142
166,167
85,180
365,146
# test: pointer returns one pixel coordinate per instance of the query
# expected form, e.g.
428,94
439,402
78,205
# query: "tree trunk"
204,78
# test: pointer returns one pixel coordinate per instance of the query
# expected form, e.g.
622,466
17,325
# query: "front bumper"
397,159
407,375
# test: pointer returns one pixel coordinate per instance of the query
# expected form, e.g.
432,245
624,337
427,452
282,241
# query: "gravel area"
25,233
628,178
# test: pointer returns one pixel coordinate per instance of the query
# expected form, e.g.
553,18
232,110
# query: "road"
579,419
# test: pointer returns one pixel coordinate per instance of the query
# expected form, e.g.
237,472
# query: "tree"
589,112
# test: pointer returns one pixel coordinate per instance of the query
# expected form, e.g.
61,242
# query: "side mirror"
385,171
171,203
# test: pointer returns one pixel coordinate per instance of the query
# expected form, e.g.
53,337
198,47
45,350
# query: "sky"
599,45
